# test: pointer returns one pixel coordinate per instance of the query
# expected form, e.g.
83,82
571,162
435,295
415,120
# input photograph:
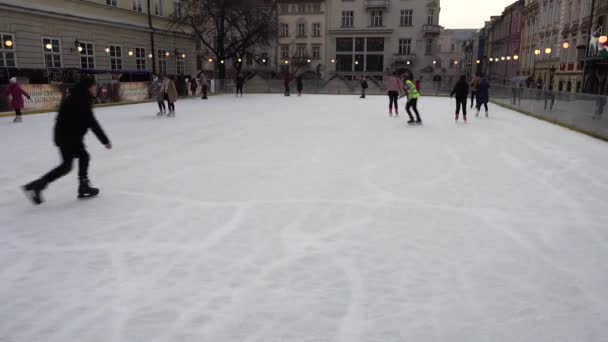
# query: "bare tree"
230,29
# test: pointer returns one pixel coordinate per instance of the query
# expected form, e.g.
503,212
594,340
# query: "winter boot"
85,189
33,191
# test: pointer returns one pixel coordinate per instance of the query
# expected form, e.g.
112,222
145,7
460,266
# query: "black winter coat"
75,118
364,84
461,89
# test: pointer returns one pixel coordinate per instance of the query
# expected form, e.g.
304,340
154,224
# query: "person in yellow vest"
412,100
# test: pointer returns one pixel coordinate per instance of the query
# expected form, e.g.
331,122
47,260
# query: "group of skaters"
399,86
478,87
163,89
287,79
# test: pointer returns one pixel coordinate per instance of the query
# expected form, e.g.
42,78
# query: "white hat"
13,80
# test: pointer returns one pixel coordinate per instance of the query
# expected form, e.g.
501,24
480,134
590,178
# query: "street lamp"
603,39
333,61
49,46
537,52
491,59
150,56
309,61
478,61
508,58
210,60
516,57
107,50
8,43
130,53
548,51
566,45
502,58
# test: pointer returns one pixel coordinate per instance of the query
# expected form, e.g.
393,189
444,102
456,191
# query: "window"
138,6
284,51
112,3
159,7
301,51
348,18
178,9
301,8
301,31
452,48
428,49
316,52
51,48
360,54
87,56
405,46
284,30
162,62
283,8
140,58
316,8
406,17
376,18
7,54
115,57
430,18
451,63
316,30
180,66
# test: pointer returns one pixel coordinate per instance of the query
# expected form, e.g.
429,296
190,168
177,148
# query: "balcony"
404,58
431,29
373,4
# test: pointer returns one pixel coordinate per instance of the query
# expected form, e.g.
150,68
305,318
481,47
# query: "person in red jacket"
17,93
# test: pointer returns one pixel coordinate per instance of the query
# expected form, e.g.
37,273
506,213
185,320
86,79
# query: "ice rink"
312,219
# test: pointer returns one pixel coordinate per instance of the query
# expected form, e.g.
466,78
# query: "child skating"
16,93
461,90
75,118
483,96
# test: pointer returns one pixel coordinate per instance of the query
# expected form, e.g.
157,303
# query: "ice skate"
390,111
159,114
456,116
411,122
17,119
487,115
419,123
33,191
85,190
477,114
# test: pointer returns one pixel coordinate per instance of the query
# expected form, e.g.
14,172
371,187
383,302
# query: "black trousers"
204,91
473,97
393,97
161,106
413,104
172,106
362,92
18,112
461,102
68,154
485,104
239,89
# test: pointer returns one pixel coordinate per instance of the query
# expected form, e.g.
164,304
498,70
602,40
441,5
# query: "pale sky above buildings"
470,13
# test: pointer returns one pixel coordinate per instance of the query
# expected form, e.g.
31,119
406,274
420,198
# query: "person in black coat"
364,86
461,90
299,85
240,81
75,118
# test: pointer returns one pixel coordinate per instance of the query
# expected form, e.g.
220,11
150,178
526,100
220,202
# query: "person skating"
286,81
75,118
239,81
393,85
364,86
158,93
461,90
483,95
412,101
170,94
193,86
203,80
299,84
474,86
16,93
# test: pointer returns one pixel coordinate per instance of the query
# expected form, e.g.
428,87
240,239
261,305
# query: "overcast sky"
470,13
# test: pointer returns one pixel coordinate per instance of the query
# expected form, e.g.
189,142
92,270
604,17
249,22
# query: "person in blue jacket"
483,95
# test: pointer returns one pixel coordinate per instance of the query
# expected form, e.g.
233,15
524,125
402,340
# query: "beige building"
576,21
109,38
373,37
450,56
301,46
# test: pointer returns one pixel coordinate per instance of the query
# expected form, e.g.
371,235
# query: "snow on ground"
313,219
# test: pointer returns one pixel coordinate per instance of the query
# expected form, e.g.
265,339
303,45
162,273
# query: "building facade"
596,57
373,37
450,61
474,54
301,46
575,25
504,33
111,39
529,37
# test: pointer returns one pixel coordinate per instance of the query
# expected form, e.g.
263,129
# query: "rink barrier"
582,113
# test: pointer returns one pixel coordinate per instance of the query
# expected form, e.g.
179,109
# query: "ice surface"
313,219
